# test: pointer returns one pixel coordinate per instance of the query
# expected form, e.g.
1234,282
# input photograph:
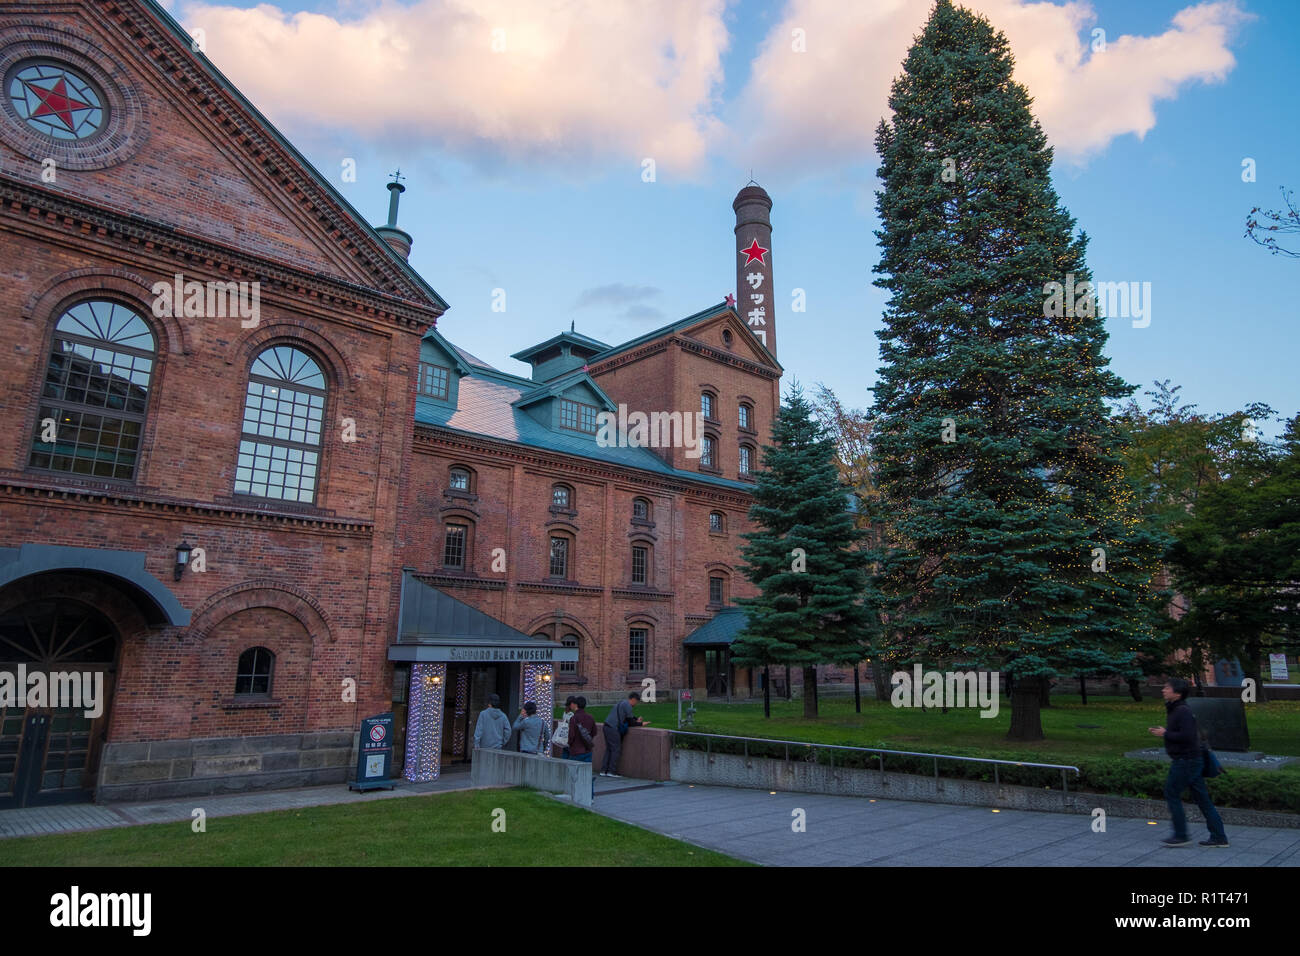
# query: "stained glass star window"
56,101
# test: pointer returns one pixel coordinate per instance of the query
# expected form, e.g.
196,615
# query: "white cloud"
577,79
822,106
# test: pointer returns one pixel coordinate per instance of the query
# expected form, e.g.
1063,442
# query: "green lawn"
1105,727
450,829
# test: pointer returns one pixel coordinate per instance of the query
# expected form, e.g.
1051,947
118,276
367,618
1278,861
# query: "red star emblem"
56,102
754,253
731,300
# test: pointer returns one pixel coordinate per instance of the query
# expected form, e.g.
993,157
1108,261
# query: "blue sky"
550,225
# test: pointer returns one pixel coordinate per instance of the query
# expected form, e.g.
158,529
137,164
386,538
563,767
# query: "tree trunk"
857,691
810,691
1250,667
767,693
1135,689
788,689
1045,692
1026,714
880,678
1083,689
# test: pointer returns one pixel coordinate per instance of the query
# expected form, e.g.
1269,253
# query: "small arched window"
458,479
717,522
708,405
456,544
708,452
561,497
641,509
560,556
570,640
717,589
746,460
253,674
745,416
642,563
95,393
279,450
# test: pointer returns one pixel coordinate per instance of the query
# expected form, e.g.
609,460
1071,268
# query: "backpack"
560,737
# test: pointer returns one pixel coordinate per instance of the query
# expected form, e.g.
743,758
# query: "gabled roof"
487,408
433,335
704,315
184,47
559,386
721,631
575,338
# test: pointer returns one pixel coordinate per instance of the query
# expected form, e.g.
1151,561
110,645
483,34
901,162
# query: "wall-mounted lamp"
546,678
182,558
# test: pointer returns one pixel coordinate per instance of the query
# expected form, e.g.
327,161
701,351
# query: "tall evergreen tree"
1014,543
803,557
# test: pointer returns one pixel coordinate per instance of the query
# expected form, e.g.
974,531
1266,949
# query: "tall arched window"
570,667
279,451
95,394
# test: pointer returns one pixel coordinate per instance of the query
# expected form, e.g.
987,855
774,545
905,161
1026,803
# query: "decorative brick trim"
263,592
558,588
456,581
642,594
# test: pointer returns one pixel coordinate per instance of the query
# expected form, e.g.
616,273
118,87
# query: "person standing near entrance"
492,729
530,729
582,732
1187,767
617,724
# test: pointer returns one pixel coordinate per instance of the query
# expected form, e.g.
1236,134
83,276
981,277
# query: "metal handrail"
880,753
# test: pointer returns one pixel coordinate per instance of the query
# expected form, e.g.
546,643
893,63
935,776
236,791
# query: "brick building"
252,493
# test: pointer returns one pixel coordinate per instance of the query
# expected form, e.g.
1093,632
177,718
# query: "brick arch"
262,594
292,332
561,622
49,301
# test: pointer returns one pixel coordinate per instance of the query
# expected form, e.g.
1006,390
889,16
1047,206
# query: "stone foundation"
160,769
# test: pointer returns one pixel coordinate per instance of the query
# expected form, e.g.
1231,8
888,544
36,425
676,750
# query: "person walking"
492,729
618,722
1186,768
560,738
530,729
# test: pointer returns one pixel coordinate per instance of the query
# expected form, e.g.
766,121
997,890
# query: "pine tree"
802,558
1014,541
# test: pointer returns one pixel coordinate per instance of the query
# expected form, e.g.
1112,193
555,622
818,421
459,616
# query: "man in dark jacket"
617,723
1183,744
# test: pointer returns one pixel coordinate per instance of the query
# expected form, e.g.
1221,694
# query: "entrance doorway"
468,688
717,671
50,754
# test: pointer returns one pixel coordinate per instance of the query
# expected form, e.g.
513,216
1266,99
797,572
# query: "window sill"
250,703
566,512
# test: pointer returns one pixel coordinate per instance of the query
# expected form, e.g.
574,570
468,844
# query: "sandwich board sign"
375,754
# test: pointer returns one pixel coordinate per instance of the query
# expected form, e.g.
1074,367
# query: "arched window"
708,452
717,522
745,416
746,460
95,393
458,479
456,544
717,589
562,497
642,564
570,640
253,675
641,509
279,450
638,641
560,557
708,405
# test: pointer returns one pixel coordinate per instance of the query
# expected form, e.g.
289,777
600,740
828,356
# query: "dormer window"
435,380
577,416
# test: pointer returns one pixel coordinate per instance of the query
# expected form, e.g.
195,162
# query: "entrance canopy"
434,626
719,631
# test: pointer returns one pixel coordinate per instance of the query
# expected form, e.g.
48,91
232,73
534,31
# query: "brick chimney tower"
755,297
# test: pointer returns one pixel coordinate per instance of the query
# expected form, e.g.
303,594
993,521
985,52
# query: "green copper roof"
576,338
721,631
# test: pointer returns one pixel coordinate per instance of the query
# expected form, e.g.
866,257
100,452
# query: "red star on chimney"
56,102
731,300
755,253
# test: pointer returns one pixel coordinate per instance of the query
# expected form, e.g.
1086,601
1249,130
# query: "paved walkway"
69,817
755,825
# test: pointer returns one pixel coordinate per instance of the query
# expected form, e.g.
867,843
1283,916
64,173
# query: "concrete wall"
159,769
505,768
759,773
